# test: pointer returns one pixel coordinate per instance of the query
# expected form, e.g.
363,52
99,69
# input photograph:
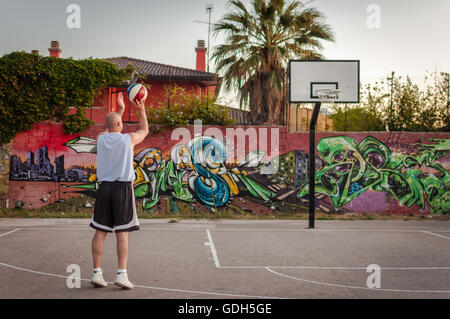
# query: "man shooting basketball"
115,209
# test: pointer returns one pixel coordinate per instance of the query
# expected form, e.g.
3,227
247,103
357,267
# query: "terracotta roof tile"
158,71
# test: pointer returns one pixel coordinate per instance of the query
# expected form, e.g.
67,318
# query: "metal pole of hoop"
325,96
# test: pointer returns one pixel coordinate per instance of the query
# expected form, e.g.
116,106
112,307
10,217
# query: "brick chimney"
54,49
201,55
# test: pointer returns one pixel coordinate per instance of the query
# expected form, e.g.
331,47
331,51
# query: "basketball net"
328,96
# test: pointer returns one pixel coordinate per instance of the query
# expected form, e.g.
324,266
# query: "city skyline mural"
39,167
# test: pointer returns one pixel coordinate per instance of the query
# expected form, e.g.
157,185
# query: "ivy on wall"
34,88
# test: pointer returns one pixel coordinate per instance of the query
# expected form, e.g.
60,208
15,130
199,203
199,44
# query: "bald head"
113,122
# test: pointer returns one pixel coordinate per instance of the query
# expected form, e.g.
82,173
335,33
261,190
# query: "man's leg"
122,258
122,249
98,242
125,221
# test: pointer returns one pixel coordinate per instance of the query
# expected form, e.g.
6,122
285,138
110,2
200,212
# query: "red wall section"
107,101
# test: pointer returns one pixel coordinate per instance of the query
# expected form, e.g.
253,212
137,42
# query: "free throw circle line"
145,287
353,287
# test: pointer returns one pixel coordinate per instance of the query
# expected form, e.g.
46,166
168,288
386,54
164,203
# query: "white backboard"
306,77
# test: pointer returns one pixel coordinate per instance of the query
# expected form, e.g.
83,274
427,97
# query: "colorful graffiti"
195,171
350,169
380,172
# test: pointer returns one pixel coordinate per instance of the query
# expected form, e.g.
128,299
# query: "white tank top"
115,158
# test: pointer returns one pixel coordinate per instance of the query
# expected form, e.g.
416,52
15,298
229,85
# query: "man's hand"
140,104
120,104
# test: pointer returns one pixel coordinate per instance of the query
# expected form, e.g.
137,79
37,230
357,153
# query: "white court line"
333,268
147,287
12,231
354,287
141,286
211,245
87,228
314,230
214,252
437,235
347,268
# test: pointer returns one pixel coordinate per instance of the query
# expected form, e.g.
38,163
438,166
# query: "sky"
405,36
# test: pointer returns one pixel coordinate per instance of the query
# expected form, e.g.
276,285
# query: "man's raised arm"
138,136
120,104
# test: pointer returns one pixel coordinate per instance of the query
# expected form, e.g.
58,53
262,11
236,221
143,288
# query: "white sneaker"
123,282
98,281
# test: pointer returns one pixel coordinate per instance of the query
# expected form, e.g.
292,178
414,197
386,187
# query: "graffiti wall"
394,172
262,170
5,153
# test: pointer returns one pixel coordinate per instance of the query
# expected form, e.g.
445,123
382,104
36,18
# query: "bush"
185,107
35,89
76,123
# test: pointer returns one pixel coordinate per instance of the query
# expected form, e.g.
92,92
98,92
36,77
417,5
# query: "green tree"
259,43
398,104
356,119
406,100
435,116
364,117
411,107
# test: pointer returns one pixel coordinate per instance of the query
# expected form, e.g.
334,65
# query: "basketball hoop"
328,96
323,83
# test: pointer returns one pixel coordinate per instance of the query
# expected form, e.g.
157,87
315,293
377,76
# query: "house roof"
158,71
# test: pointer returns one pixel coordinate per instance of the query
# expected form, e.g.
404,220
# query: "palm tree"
259,44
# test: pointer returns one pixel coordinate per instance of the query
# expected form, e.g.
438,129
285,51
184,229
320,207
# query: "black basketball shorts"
115,208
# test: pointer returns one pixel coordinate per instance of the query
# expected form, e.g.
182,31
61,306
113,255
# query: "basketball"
137,92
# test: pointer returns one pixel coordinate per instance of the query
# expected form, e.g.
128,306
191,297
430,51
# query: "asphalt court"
232,259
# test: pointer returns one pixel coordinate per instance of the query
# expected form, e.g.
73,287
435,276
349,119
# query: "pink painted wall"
411,178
